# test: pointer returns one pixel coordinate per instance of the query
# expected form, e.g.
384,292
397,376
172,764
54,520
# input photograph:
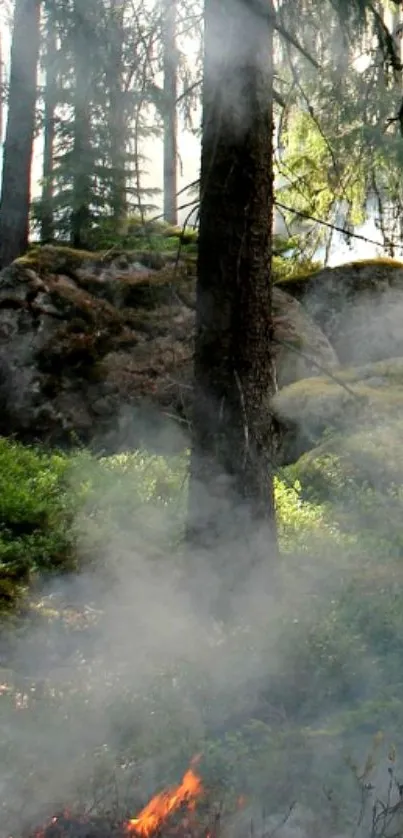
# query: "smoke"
133,671
147,666
130,671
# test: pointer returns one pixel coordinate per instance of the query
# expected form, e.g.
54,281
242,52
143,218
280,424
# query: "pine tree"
234,438
18,146
117,115
170,67
82,156
50,100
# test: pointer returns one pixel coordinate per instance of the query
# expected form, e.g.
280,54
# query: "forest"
201,395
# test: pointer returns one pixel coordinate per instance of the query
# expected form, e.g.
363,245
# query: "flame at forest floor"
155,819
160,807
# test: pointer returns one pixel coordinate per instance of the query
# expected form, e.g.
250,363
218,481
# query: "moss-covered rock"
368,395
358,306
369,457
93,342
358,476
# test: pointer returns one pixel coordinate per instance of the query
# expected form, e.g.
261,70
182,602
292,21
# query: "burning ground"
171,812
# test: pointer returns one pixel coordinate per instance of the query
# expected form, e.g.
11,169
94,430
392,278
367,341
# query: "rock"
358,306
98,349
303,349
370,457
367,395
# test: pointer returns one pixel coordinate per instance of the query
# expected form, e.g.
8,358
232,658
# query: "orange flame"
166,802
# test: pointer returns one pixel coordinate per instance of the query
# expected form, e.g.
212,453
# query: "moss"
92,329
378,260
388,371
302,273
75,302
316,404
186,236
55,259
286,275
371,456
66,260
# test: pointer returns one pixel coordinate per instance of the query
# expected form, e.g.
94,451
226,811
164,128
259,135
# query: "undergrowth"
324,675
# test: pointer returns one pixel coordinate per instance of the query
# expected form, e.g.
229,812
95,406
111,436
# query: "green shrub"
344,602
36,516
144,234
369,508
58,512
330,652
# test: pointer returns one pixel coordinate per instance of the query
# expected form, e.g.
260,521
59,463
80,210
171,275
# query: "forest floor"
112,682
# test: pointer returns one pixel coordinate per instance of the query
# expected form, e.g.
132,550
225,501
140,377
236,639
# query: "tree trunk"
1,86
231,500
50,103
117,117
170,113
82,151
18,146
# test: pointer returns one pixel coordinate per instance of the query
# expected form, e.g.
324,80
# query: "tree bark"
18,146
82,157
231,503
170,112
50,103
117,117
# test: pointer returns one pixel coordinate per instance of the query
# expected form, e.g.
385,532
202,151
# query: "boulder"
363,396
369,457
97,348
303,351
358,306
359,473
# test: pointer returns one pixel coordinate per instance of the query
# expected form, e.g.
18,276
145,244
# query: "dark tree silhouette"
18,146
50,100
234,438
170,61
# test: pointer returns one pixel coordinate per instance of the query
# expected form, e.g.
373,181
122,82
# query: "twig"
331,226
245,416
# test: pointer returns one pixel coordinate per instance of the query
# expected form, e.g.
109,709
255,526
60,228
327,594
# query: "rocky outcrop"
97,349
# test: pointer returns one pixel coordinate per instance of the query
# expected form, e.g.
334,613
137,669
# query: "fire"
165,803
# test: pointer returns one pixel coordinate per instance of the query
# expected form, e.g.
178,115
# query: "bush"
142,234
329,658
362,502
58,511
37,513
66,512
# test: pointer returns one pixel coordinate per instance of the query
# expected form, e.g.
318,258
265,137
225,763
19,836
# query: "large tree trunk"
18,146
234,438
50,103
117,117
1,86
170,113
82,158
